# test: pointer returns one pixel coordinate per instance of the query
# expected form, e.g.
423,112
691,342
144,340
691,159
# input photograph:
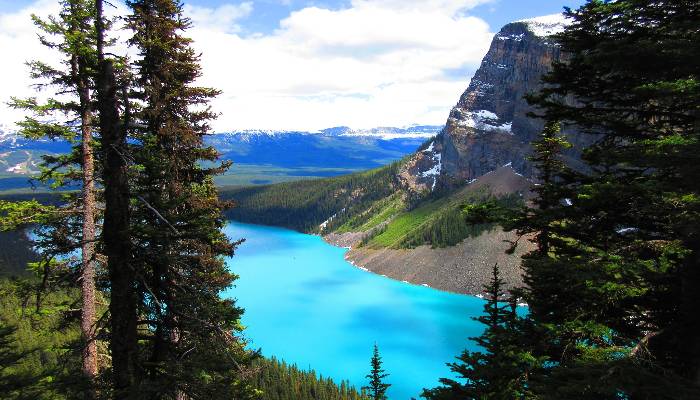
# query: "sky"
306,64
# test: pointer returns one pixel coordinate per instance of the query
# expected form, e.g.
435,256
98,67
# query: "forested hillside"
281,381
40,354
304,205
377,206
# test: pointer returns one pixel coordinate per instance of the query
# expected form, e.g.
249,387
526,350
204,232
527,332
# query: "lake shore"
296,288
464,268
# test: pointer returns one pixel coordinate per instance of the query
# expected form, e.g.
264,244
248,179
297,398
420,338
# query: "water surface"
305,304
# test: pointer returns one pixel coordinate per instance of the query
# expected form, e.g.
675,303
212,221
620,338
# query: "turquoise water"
305,304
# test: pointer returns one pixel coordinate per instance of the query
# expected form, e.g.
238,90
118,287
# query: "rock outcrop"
489,126
485,144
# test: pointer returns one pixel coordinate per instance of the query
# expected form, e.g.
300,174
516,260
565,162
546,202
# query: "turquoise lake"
305,304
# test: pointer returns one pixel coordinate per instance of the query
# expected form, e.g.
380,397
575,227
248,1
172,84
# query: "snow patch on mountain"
325,223
434,171
483,120
8,136
390,133
17,169
519,37
547,25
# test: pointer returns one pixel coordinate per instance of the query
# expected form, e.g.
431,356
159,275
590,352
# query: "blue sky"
304,64
268,13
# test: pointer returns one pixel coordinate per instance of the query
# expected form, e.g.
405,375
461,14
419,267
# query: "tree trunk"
116,237
87,320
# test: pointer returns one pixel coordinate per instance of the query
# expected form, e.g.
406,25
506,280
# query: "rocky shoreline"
464,268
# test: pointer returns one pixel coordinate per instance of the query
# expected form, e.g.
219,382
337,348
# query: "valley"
259,157
406,220
542,243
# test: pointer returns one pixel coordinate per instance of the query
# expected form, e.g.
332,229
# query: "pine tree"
116,237
72,34
609,286
551,271
377,387
192,348
500,370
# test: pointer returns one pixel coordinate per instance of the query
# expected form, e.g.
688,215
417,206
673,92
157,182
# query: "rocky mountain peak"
489,127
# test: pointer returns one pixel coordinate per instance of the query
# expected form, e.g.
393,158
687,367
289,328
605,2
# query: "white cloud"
223,18
449,6
19,43
379,62
18,39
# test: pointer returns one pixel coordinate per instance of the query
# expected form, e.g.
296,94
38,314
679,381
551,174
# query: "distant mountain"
259,156
339,147
20,158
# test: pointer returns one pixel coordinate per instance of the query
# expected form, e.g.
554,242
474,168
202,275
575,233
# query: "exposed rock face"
484,145
489,127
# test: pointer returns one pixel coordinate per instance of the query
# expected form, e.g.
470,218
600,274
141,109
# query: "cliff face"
488,128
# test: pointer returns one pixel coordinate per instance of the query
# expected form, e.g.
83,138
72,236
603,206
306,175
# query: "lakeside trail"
464,268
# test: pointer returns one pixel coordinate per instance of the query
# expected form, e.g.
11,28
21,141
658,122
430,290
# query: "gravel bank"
464,268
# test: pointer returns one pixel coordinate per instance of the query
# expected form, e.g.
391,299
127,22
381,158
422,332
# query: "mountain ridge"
485,146
489,126
259,156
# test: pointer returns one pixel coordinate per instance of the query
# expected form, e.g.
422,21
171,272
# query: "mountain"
489,126
339,147
20,158
259,156
405,221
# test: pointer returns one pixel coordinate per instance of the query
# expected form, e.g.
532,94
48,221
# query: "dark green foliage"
304,205
612,286
15,253
190,337
454,223
39,356
280,381
499,371
376,388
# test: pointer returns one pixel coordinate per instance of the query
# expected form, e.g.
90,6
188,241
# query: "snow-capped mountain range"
384,133
325,152
8,135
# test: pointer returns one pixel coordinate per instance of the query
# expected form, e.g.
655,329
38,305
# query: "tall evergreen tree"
552,270
116,236
72,34
192,347
618,245
376,389
500,370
